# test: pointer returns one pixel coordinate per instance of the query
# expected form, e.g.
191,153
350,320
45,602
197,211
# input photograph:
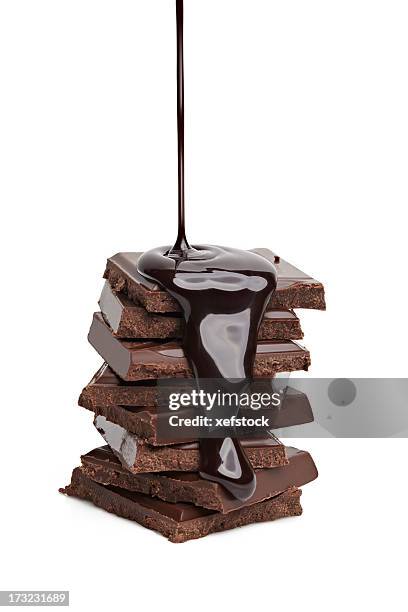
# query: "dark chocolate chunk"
138,457
129,320
295,288
136,360
107,389
102,466
179,522
145,421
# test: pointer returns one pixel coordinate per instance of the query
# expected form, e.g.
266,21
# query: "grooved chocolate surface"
138,457
145,421
129,320
295,288
179,522
142,360
102,466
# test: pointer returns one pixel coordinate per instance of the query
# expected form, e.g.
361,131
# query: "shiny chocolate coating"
223,294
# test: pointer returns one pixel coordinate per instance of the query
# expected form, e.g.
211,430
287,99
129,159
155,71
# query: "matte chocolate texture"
102,466
129,320
107,389
179,522
145,421
295,288
138,457
139,360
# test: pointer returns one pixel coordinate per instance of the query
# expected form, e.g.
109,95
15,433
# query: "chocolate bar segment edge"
102,466
178,522
129,320
147,360
138,457
295,289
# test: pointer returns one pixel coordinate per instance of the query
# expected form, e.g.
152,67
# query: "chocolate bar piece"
145,421
138,457
136,360
129,320
107,389
102,466
179,522
295,289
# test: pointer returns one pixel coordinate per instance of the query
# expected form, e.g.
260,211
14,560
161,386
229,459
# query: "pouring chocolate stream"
223,294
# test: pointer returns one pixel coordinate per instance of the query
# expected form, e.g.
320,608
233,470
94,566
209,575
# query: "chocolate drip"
223,295
181,244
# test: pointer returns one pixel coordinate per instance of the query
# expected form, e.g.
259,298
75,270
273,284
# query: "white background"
296,139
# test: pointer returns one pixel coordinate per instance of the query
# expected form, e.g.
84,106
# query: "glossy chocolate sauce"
223,295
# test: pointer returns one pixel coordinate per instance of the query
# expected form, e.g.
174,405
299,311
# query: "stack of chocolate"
138,334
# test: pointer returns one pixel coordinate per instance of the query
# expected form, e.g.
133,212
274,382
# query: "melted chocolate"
181,244
223,294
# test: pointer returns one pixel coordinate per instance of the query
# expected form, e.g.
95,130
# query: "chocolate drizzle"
181,244
223,294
